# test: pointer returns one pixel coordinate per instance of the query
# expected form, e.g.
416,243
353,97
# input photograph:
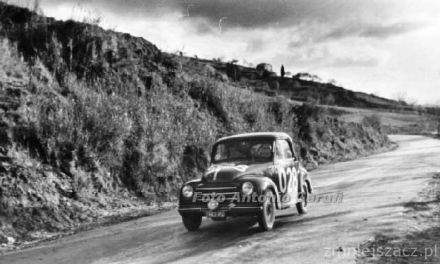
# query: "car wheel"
302,206
266,218
192,221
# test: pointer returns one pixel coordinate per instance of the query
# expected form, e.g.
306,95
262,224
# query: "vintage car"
250,175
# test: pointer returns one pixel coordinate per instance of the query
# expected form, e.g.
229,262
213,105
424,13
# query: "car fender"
193,183
305,175
263,184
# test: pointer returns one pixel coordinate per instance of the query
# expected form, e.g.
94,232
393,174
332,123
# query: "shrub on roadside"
373,121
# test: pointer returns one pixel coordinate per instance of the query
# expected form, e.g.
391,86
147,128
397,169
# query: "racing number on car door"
286,171
287,179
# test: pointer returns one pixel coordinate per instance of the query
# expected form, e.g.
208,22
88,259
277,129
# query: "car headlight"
247,188
187,191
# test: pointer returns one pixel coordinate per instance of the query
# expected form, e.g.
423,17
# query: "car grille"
224,195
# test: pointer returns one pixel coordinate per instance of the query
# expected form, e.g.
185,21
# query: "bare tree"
401,97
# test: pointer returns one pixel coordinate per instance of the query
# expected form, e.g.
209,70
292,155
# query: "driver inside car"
261,151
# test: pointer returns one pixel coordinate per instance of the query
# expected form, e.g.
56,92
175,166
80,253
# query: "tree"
401,97
329,99
233,71
282,71
274,85
333,82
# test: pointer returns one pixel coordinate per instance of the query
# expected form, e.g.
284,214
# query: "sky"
390,48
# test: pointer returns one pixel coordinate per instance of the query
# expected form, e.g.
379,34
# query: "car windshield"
245,150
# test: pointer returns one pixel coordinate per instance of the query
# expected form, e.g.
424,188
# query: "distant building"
264,69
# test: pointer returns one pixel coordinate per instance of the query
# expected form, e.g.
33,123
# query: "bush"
139,139
8,61
373,121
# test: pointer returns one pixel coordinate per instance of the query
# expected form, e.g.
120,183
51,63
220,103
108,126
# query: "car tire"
192,222
301,207
266,218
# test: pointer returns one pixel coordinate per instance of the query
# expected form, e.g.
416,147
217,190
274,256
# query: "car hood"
228,172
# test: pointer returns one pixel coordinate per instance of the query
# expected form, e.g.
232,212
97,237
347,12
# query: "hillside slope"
300,87
97,124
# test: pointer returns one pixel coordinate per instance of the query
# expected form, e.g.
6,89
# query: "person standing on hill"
282,71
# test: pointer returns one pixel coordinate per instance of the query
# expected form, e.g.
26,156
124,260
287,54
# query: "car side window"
279,154
285,148
221,152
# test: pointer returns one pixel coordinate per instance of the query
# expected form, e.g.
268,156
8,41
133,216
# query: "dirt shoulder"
420,243
131,210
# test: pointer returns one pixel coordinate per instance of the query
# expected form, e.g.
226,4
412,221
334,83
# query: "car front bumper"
231,211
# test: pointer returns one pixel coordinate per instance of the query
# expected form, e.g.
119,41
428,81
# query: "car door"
286,172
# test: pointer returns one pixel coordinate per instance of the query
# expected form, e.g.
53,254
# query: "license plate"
216,214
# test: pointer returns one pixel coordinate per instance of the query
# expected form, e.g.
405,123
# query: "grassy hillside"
395,122
398,116
98,124
302,87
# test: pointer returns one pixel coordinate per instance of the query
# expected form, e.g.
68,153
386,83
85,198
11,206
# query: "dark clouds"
277,13
365,30
241,13
322,33
339,18
246,13
385,31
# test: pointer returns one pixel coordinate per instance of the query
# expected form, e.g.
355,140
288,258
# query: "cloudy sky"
386,47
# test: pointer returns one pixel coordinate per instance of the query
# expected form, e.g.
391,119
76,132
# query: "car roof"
257,135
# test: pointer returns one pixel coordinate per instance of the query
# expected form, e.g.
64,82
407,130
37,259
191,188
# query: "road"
374,190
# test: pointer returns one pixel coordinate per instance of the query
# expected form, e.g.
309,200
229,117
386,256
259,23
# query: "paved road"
374,190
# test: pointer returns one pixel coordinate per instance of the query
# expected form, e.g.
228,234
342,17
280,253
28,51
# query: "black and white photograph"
219,131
